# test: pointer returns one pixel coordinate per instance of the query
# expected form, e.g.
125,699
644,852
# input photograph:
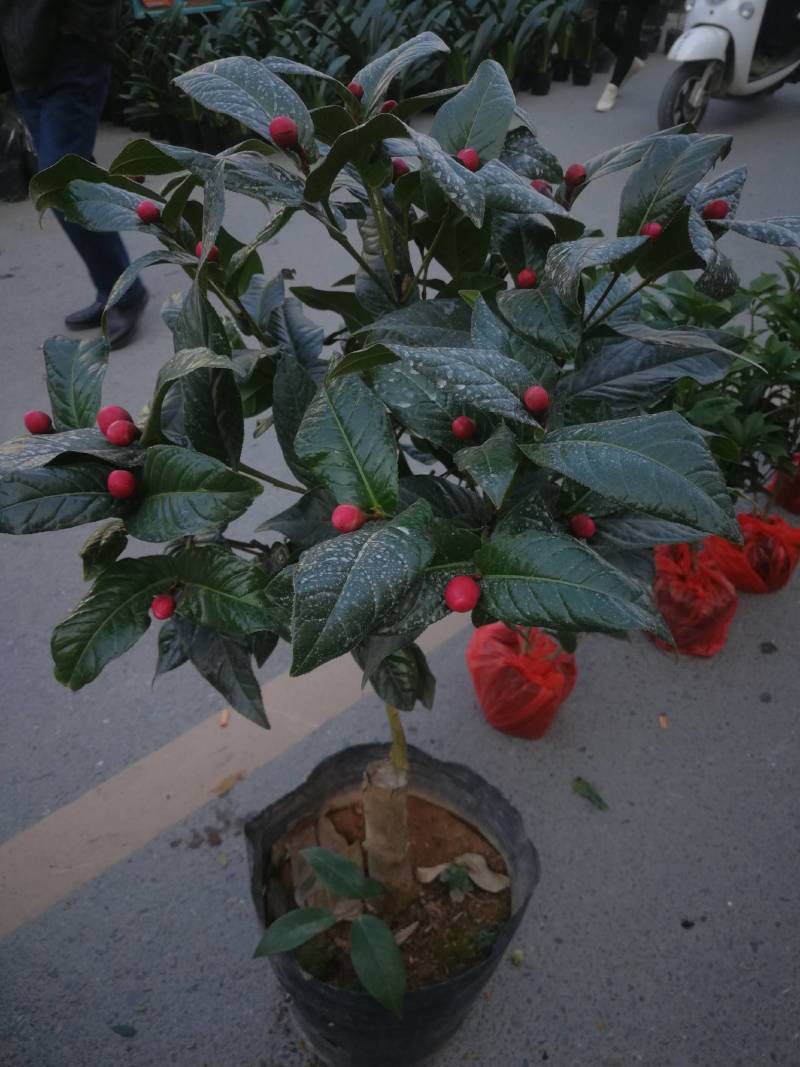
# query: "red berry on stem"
38,422
148,211
575,174
469,157
283,132
346,518
163,606
121,484
212,256
356,89
526,279
111,413
541,186
462,593
536,399
583,526
463,428
122,432
388,105
653,230
399,168
716,209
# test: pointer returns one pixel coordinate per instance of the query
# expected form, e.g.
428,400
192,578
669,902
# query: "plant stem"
398,755
385,234
614,279
619,303
341,239
254,547
270,479
426,259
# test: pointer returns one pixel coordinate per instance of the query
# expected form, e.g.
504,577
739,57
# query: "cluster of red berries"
117,426
150,213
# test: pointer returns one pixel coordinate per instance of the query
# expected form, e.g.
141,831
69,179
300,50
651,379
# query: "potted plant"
545,23
487,389
584,46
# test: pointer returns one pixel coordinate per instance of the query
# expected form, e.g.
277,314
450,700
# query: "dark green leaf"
566,262
340,875
378,963
509,192
346,438
294,929
36,450
428,322
184,492
491,464
549,580
213,208
47,187
185,362
378,75
654,463
523,152
614,159
416,402
361,360
221,591
101,207
307,522
401,678
478,116
293,331
257,384
489,331
784,231
213,414
522,241
461,507
588,792
75,372
344,587
261,297
355,147
103,547
540,316
460,186
55,498
224,662
292,392
133,270
174,638
337,300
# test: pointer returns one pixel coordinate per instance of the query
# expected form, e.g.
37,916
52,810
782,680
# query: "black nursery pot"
348,1029
540,82
561,69
581,73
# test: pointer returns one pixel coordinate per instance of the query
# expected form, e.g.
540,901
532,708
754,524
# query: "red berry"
575,174
163,606
111,413
463,428
462,593
346,518
148,211
469,157
541,186
583,526
716,209
121,432
38,422
356,89
121,484
388,105
526,279
283,132
536,399
653,230
399,168
212,256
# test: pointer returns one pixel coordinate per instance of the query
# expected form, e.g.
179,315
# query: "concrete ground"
664,931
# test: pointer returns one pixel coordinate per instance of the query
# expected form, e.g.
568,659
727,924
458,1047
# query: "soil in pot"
444,931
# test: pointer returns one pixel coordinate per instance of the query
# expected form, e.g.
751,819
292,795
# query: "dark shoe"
122,320
86,317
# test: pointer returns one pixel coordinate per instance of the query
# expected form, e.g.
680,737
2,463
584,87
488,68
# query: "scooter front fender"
699,44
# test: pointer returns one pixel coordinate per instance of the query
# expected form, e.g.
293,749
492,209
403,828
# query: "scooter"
731,49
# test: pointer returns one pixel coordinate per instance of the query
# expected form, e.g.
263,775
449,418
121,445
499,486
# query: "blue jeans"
62,117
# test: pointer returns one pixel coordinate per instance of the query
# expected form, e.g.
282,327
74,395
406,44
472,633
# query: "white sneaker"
636,66
607,98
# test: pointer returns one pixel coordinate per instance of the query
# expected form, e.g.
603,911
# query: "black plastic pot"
540,82
348,1029
561,69
582,73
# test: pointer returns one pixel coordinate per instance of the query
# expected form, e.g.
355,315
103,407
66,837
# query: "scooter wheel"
675,106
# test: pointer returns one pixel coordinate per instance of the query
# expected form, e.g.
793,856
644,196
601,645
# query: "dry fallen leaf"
225,786
476,867
430,874
663,721
403,935
224,717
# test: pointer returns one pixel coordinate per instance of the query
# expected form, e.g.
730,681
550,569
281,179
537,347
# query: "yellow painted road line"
76,843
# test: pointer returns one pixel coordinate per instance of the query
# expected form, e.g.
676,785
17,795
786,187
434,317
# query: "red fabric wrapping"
696,599
520,689
766,560
786,488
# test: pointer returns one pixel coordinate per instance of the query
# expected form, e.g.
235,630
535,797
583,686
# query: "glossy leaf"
340,875
542,317
344,587
293,390
75,372
225,663
361,360
523,152
626,155
55,498
354,147
508,191
133,270
213,413
378,963
293,331
783,231
558,583
428,322
294,929
183,363
262,297
222,591
491,464
566,262
460,506
103,547
347,440
461,187
250,93
183,492
101,207
654,463
415,401
306,522
478,116
378,75
36,450
401,678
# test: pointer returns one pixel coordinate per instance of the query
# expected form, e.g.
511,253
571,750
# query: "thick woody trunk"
385,796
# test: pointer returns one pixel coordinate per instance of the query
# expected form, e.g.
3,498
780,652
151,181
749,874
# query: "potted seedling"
489,382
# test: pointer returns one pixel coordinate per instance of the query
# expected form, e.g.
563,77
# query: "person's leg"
606,28
630,41
69,110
